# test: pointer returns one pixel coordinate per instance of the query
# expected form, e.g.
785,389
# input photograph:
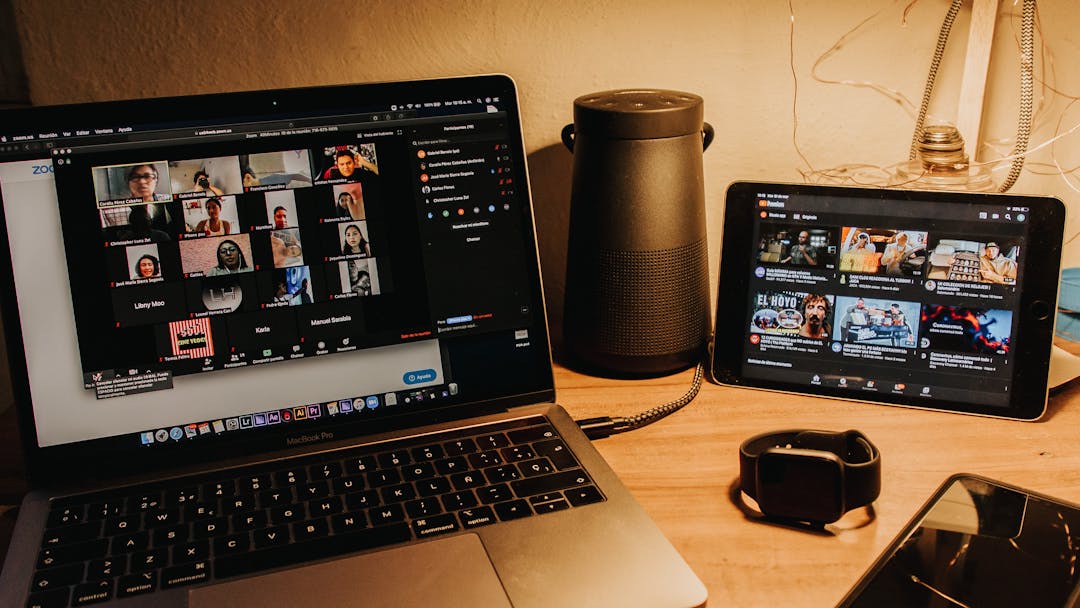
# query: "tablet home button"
1040,309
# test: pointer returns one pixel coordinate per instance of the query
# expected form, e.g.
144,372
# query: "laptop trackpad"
452,571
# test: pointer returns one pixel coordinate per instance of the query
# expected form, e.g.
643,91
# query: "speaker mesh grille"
654,302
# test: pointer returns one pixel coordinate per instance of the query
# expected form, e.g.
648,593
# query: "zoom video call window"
195,263
188,258
185,273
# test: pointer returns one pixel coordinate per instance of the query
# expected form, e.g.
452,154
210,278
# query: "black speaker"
637,271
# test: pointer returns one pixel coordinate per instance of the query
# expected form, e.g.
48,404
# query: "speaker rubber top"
638,114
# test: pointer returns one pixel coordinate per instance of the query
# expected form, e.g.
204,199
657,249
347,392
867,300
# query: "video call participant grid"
236,215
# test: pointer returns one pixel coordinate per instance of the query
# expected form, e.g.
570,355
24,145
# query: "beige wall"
734,53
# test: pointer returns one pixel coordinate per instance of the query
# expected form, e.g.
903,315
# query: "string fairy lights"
1002,150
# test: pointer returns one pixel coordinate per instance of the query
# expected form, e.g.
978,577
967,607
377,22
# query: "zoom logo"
42,169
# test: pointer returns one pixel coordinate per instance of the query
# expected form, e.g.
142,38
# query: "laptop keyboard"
145,538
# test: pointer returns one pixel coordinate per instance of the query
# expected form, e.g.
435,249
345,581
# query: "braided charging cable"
931,76
1027,87
598,428
652,415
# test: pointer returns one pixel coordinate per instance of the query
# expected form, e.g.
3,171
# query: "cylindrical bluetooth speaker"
637,268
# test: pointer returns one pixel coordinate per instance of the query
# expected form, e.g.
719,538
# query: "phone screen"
979,543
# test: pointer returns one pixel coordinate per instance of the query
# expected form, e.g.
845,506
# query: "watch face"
806,485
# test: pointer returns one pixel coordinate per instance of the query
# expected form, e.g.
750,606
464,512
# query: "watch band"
861,460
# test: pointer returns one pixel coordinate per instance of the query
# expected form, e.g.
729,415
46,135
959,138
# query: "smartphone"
979,542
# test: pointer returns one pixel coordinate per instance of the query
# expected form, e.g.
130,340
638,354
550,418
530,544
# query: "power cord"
1027,68
931,77
605,426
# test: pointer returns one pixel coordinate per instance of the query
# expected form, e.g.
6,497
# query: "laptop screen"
275,265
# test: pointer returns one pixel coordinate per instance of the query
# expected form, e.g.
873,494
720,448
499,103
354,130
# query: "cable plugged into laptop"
606,426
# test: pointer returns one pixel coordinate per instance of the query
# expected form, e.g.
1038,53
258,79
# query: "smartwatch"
810,476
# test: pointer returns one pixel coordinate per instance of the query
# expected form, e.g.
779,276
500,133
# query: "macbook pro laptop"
288,348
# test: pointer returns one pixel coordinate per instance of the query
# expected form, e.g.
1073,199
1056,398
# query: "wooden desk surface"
683,467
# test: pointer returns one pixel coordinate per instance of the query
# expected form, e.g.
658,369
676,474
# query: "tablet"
925,299
978,542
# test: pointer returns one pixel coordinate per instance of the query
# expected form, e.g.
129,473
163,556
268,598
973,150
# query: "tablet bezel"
1036,309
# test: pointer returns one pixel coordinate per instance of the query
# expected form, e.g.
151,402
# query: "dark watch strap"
862,462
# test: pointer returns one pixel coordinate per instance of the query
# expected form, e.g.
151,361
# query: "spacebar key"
330,546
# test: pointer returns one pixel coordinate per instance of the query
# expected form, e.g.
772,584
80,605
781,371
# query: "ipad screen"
906,297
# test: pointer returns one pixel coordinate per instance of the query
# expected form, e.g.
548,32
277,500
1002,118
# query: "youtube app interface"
897,297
